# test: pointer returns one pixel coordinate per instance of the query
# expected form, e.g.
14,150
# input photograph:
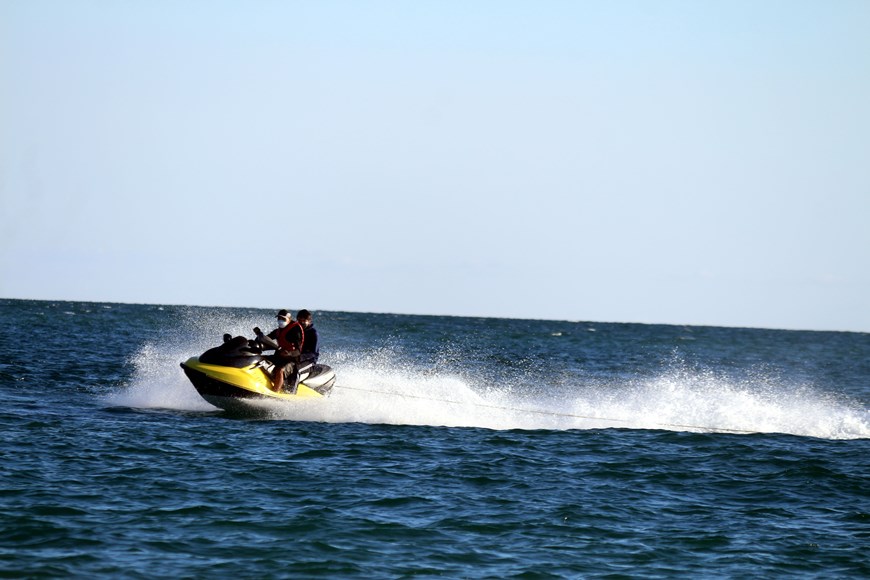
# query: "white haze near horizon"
675,162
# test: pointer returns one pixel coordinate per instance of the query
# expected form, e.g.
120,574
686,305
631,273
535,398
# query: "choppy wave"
586,463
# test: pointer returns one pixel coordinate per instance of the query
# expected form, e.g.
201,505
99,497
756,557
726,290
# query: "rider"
310,351
290,337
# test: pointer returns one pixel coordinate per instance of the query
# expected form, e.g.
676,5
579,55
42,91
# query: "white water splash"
381,389
684,401
679,401
159,383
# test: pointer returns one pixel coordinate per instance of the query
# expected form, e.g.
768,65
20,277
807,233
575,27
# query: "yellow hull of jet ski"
216,383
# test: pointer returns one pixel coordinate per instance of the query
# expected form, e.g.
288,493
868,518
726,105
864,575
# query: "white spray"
381,388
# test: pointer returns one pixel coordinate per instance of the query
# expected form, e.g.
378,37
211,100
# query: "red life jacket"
286,339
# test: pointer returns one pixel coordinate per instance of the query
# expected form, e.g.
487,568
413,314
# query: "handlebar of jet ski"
267,342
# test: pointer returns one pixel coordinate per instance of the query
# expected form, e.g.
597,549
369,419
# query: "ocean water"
451,447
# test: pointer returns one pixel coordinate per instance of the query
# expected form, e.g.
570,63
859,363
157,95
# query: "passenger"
290,337
310,350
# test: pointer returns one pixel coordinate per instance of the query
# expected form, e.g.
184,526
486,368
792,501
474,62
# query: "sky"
681,162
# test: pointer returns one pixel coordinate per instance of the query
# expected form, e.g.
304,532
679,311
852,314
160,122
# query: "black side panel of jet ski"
237,352
211,387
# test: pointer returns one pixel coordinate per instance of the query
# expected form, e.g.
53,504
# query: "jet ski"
237,373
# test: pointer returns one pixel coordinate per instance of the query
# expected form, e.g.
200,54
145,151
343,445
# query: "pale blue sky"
677,162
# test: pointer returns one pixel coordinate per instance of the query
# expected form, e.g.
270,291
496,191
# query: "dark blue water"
453,447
